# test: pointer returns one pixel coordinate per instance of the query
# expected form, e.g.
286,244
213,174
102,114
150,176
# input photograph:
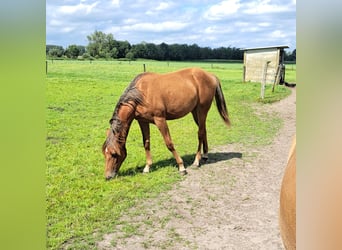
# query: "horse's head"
114,154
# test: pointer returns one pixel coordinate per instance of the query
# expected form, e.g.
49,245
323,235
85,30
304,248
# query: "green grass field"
80,98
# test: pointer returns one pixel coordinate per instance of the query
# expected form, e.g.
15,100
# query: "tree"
139,50
82,49
206,52
123,48
130,56
54,51
164,52
177,52
98,44
72,51
293,55
194,52
152,51
103,45
290,56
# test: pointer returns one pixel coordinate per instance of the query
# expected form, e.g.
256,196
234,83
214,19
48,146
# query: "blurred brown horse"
155,98
287,212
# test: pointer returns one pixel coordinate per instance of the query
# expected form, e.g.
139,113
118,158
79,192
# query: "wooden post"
244,74
278,76
144,67
263,83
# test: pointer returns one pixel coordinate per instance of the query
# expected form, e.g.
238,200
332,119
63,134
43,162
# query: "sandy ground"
229,203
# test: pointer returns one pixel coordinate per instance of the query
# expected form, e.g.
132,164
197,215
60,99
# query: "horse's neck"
126,116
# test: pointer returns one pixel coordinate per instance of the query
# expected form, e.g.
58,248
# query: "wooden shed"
264,63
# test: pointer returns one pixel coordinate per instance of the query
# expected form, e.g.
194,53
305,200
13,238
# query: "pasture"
80,98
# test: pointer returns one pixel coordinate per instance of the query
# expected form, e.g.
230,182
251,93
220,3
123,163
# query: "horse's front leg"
145,130
164,130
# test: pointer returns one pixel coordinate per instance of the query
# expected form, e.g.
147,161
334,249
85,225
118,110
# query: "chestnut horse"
155,98
287,212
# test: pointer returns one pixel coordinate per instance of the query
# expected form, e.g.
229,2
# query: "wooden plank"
277,79
263,83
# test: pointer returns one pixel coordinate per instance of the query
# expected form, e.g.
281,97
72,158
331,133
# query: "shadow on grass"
187,159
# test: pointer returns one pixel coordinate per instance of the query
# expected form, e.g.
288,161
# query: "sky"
207,23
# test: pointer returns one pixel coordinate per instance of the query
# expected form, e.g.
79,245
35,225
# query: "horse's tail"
221,103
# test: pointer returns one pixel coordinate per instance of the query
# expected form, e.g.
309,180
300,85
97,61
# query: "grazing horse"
287,211
155,98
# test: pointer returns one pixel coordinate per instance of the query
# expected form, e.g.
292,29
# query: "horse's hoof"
184,172
204,159
146,170
195,166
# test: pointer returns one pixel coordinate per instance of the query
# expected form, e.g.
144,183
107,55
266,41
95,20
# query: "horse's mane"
131,96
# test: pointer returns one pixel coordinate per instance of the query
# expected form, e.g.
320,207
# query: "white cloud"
242,24
278,34
222,10
130,21
156,27
56,22
67,29
264,6
112,30
79,8
116,3
160,7
163,6
215,30
264,24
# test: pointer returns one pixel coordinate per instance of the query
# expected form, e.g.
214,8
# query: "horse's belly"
173,116
178,109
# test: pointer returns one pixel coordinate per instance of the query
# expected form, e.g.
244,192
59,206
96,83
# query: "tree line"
104,46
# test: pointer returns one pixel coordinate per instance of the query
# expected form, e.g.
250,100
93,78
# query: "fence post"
263,83
144,67
278,76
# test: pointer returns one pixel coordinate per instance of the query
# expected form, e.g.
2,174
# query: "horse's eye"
115,155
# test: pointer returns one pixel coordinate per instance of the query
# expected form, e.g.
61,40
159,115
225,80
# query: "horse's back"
287,215
179,77
180,84
177,93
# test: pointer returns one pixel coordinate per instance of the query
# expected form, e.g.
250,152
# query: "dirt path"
229,203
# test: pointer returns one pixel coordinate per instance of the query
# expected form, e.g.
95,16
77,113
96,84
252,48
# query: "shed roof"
269,47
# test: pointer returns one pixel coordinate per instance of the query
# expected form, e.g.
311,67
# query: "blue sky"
235,23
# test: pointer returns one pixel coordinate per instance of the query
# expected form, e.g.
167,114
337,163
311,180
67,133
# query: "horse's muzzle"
110,177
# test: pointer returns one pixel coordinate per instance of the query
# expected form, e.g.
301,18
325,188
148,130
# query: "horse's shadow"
187,159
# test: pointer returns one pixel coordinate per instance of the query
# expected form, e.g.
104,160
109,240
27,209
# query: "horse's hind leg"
164,130
200,119
145,130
